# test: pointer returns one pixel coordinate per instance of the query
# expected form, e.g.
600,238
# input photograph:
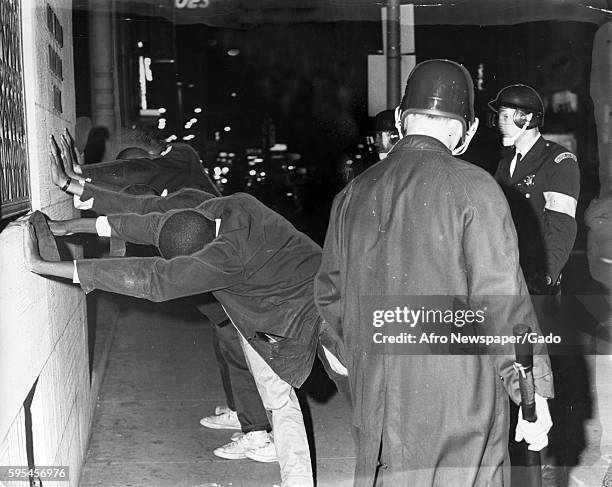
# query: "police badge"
529,180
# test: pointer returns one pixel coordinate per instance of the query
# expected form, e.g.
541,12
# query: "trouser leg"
223,367
238,383
287,420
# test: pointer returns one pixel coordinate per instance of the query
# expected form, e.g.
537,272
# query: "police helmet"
525,100
440,87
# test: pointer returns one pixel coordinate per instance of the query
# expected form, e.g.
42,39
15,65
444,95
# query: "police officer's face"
505,121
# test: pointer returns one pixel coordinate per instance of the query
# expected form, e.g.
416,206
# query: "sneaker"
236,436
238,449
266,453
221,409
224,421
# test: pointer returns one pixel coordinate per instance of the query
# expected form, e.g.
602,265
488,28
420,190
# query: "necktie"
517,158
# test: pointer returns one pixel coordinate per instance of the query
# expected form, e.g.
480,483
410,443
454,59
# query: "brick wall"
43,329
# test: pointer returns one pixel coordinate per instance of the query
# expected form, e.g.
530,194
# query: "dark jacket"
419,223
107,202
542,194
259,267
179,168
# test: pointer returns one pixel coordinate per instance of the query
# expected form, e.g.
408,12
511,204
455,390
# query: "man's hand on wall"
58,176
30,247
71,160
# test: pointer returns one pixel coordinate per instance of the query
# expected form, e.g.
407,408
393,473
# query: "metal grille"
14,180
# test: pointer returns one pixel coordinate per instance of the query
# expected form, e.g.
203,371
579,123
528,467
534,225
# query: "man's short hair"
406,116
184,232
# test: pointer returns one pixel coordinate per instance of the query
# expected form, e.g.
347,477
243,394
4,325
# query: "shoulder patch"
565,155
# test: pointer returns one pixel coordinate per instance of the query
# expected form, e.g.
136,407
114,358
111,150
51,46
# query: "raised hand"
58,176
77,156
30,248
70,158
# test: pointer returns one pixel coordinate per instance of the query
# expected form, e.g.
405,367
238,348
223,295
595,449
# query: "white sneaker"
235,450
224,421
266,453
222,409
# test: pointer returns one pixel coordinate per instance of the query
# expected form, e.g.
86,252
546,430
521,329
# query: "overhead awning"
248,13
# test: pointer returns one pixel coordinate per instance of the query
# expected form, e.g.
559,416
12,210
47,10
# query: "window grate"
14,173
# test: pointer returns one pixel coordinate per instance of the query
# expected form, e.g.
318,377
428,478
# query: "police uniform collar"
525,166
525,150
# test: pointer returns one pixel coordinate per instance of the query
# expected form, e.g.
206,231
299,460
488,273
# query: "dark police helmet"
184,232
525,100
440,87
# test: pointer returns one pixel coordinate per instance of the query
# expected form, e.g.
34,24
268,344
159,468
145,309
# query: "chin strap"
457,151
398,122
510,141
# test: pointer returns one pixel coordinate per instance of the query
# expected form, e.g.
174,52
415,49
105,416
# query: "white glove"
535,434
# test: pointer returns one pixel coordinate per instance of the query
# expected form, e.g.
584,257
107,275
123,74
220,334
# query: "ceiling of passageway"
249,13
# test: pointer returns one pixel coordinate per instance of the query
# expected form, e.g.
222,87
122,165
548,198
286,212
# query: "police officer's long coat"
422,222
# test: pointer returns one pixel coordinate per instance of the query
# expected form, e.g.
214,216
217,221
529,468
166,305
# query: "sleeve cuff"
82,205
103,228
75,274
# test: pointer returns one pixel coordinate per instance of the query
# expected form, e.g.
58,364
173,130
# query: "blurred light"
262,173
127,18
258,159
224,181
233,94
231,154
171,138
278,147
217,135
251,163
225,170
233,52
193,120
227,128
140,44
179,83
187,125
291,168
163,120
189,137
289,194
252,172
360,146
197,110
349,162
190,85
147,67
161,110
217,170
222,154
358,156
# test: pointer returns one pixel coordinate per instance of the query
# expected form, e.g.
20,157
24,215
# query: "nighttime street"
306,243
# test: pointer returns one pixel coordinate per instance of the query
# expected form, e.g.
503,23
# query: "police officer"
541,180
386,134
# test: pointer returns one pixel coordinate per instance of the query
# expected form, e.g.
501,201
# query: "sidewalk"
161,379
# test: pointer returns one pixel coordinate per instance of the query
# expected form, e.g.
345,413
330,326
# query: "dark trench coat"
422,222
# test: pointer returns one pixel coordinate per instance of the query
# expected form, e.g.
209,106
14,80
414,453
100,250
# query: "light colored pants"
290,439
